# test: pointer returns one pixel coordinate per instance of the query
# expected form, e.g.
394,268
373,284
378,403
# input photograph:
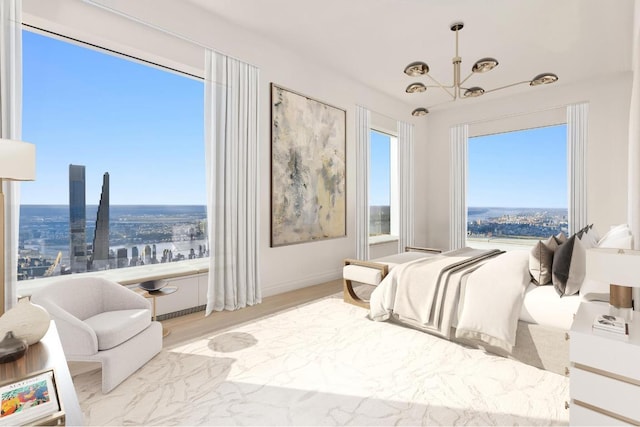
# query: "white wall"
607,150
282,268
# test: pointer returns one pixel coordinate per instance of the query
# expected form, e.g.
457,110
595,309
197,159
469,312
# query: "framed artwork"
31,400
308,169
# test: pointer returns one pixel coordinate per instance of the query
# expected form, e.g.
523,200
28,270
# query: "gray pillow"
541,261
569,267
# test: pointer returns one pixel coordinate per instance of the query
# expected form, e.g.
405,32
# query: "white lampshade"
17,160
616,266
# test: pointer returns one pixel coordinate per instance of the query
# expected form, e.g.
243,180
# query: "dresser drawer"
613,395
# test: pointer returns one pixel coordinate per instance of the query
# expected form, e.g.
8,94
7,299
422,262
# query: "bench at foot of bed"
373,271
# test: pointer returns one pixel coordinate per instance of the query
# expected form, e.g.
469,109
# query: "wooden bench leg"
351,297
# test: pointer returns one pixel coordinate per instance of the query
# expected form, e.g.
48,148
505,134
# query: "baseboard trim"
282,287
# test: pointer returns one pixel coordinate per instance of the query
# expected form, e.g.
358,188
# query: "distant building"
123,258
134,257
77,219
100,260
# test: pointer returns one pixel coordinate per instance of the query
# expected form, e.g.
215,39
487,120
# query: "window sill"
382,239
127,276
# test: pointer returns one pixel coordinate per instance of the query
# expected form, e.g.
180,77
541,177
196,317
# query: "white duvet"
487,303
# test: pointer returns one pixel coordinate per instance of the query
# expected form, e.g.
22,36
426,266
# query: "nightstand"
605,371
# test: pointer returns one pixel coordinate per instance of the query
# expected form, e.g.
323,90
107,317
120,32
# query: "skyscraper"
100,260
77,219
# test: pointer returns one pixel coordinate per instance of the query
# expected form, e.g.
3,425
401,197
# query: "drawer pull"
566,405
566,336
566,371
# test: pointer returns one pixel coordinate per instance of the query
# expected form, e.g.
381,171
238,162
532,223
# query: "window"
517,187
383,187
120,161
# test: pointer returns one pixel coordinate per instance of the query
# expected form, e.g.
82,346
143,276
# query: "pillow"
541,261
586,240
618,242
614,232
591,237
569,266
560,238
594,232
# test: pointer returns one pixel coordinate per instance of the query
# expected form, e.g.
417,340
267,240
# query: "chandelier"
456,90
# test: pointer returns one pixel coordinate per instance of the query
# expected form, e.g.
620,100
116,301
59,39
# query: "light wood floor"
190,326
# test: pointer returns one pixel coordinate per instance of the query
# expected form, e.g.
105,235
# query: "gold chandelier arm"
504,87
467,78
441,86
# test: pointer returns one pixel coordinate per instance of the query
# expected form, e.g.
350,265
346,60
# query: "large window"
120,161
517,187
383,203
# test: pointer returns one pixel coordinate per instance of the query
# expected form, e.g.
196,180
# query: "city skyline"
143,124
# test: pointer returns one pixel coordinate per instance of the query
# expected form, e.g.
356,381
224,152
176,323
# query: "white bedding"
424,294
543,306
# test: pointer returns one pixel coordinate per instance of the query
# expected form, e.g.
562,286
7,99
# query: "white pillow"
593,290
618,242
614,232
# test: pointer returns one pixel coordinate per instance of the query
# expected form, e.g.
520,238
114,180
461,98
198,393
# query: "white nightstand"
605,371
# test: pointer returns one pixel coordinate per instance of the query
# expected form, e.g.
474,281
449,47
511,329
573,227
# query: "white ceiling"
373,40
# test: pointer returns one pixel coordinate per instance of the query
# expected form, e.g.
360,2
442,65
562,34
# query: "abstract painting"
308,176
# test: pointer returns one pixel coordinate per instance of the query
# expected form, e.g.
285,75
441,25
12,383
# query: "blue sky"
519,169
379,173
141,124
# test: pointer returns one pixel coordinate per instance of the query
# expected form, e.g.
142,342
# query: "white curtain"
363,136
405,149
577,130
634,141
458,140
11,128
231,151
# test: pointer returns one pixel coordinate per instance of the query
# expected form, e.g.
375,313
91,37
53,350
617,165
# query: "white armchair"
99,320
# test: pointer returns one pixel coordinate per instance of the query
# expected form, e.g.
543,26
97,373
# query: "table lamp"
621,269
17,163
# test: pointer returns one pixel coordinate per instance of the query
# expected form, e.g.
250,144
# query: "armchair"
103,321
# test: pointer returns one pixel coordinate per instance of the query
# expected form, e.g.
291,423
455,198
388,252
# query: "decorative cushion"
541,261
615,232
112,328
560,238
618,242
569,266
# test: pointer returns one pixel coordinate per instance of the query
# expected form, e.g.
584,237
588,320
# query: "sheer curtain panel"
231,151
577,130
11,128
363,130
458,139
405,148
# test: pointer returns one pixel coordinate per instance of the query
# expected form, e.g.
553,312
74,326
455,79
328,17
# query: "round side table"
165,290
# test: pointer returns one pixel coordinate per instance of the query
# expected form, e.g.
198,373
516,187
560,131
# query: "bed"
541,321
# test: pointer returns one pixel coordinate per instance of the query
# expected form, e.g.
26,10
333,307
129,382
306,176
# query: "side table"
605,373
166,290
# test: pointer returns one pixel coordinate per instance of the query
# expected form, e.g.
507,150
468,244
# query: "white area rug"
325,363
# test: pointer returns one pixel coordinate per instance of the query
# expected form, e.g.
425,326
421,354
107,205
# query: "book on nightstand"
611,324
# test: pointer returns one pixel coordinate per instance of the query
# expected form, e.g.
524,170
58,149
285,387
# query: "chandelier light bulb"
483,65
415,88
473,92
416,69
543,79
